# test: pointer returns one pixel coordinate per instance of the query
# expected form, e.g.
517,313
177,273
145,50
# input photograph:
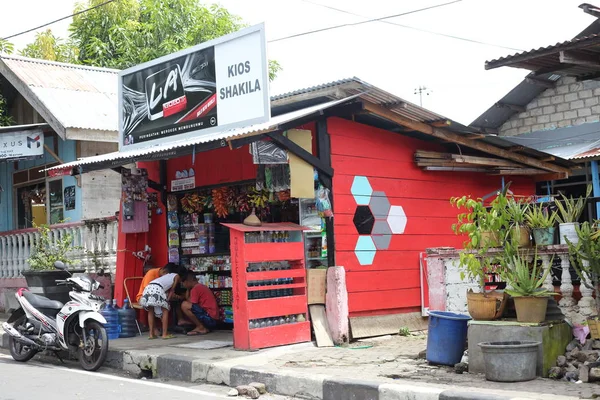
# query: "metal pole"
596,185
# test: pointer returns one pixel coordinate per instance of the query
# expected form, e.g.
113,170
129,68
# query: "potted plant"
524,283
516,211
569,212
542,222
585,258
484,227
41,276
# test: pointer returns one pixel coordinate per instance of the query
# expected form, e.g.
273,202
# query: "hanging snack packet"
323,203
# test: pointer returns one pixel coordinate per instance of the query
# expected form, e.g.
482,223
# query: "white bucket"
568,230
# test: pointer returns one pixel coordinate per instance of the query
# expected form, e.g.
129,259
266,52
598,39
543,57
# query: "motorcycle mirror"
60,265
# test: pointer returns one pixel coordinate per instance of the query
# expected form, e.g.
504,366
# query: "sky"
394,58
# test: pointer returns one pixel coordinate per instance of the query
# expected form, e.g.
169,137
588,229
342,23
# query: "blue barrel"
127,319
447,337
112,321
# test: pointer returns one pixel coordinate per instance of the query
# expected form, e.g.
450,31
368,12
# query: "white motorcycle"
41,324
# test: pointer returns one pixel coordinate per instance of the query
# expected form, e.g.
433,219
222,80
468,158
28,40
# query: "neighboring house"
61,112
556,108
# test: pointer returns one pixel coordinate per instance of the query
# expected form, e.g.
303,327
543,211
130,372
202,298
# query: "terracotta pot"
521,233
486,306
489,237
531,309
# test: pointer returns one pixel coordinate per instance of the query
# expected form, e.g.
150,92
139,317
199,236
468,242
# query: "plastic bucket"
447,337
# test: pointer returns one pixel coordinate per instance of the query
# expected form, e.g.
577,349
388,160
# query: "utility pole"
420,91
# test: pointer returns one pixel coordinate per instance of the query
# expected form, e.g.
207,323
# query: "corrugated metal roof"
528,89
593,153
568,143
77,96
545,57
15,128
150,152
352,86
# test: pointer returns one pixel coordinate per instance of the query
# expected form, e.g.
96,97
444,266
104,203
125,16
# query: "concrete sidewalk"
385,369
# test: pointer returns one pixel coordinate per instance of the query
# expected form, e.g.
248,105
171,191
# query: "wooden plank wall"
391,284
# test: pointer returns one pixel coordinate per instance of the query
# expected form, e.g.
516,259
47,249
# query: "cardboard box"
317,285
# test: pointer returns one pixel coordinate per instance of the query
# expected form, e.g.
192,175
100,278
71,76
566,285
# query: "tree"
5,119
6,46
52,48
129,32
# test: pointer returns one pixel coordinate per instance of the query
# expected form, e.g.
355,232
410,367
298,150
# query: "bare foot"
184,322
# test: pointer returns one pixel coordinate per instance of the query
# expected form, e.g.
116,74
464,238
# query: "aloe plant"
585,256
570,209
517,211
523,278
540,217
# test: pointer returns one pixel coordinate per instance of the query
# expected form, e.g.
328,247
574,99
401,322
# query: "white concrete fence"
95,241
448,292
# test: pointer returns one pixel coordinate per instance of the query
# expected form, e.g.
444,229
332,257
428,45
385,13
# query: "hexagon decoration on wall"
379,204
365,250
375,219
363,220
361,190
397,220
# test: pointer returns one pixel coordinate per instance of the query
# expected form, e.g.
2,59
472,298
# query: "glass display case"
315,239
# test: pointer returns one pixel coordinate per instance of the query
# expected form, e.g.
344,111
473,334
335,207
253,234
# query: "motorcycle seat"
39,302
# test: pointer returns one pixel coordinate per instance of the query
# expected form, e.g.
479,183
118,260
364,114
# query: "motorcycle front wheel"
19,351
93,352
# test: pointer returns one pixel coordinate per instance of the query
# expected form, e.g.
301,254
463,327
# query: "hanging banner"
22,144
217,85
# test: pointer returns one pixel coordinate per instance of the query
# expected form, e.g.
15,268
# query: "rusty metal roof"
71,96
590,154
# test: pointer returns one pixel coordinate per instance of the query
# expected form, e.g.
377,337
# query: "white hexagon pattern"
397,220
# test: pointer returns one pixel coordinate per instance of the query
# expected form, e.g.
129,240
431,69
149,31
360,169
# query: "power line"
362,22
414,28
58,20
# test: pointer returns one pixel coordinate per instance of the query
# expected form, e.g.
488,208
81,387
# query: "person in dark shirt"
200,307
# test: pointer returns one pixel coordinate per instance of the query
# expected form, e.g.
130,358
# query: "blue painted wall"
66,152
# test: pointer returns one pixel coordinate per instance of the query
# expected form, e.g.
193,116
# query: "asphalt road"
34,380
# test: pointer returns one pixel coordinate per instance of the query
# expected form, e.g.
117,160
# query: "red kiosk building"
391,168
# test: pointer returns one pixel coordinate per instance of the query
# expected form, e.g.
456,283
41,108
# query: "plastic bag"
322,202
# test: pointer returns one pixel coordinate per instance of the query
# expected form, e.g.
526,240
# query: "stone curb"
297,384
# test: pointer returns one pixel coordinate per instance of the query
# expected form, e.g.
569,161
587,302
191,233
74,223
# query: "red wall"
391,284
215,167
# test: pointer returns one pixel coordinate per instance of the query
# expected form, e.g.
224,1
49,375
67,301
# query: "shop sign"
215,86
59,172
178,185
22,144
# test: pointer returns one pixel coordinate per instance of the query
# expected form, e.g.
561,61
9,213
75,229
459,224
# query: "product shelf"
246,310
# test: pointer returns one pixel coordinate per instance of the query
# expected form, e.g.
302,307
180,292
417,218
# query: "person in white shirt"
156,297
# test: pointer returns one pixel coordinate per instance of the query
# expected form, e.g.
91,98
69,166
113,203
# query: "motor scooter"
41,324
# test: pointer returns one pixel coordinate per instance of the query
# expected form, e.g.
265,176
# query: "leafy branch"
48,251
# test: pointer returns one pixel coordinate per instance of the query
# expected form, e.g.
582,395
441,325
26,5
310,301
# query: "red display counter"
269,285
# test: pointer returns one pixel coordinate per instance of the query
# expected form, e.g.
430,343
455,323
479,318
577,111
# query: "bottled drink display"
275,291
267,237
276,321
